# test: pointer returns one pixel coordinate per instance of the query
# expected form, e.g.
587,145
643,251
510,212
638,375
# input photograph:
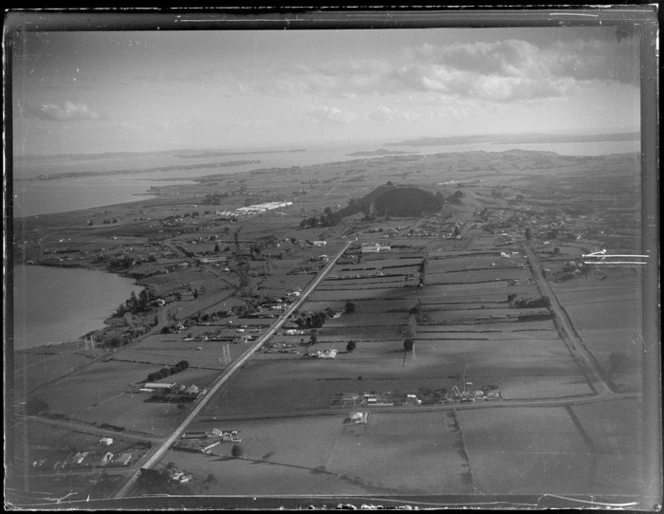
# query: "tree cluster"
529,303
214,198
137,304
167,371
456,197
327,219
159,482
312,319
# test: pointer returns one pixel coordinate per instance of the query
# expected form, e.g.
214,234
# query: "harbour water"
57,305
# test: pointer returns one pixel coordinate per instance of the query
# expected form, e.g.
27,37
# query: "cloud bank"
501,71
69,111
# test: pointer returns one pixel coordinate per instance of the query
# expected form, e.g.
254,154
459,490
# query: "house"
412,398
357,418
80,457
327,354
108,457
106,441
124,459
227,435
192,389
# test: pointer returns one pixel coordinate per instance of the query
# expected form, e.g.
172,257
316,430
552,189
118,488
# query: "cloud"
69,111
500,71
325,113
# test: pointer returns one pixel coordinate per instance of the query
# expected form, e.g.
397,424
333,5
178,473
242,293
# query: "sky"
93,92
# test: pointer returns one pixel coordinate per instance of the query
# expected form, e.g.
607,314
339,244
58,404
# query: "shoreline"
104,325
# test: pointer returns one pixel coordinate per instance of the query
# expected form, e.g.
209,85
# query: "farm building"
194,435
106,441
374,248
350,397
159,385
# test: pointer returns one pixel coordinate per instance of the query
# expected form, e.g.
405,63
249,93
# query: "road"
598,380
155,455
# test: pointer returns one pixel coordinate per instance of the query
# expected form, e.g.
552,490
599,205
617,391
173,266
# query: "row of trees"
167,371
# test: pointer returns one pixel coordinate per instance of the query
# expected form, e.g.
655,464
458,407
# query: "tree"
237,451
152,481
143,300
349,308
132,302
313,339
351,346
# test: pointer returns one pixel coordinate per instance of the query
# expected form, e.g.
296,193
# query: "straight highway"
156,454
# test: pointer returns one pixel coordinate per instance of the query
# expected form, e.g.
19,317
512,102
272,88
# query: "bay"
50,196
57,305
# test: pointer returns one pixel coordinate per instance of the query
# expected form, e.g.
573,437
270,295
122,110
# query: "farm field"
526,451
588,449
322,455
607,317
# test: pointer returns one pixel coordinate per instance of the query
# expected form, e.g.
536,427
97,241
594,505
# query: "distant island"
380,151
518,138
158,169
